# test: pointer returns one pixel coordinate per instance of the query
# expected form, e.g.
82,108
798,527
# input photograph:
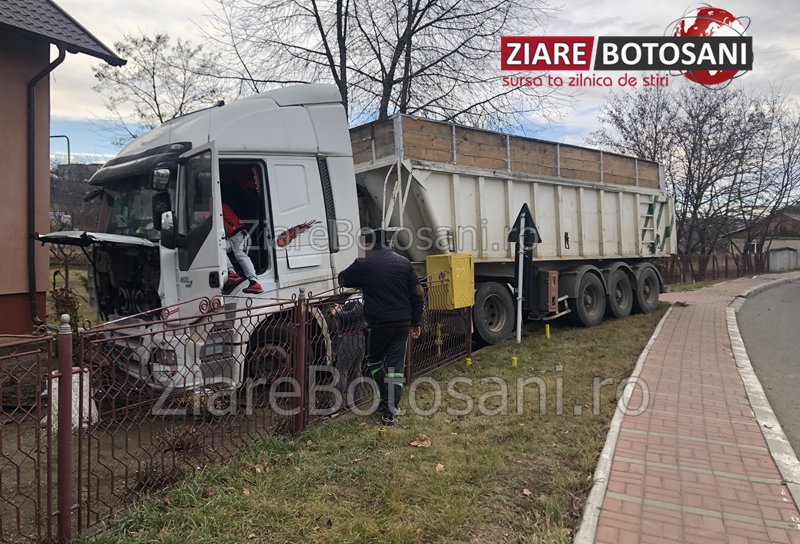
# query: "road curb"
591,512
781,450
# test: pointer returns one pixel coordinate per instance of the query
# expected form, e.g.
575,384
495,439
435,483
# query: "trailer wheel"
493,313
620,294
647,289
589,305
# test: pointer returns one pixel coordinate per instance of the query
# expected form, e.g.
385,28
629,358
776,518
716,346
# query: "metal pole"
409,359
520,268
69,152
64,430
300,361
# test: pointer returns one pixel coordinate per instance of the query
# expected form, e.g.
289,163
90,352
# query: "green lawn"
78,277
503,478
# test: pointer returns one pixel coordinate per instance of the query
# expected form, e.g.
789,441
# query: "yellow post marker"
469,362
513,362
547,331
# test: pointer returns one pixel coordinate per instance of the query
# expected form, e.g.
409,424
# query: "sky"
78,111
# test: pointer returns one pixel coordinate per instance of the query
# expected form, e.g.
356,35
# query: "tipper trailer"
601,217
160,248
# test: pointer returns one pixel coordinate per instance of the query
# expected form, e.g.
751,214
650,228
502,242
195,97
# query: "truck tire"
270,352
647,290
589,306
620,294
493,313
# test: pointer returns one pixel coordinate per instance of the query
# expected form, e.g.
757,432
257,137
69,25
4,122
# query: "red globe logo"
710,21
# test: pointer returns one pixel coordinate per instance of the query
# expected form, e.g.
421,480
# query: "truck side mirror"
167,230
160,178
161,205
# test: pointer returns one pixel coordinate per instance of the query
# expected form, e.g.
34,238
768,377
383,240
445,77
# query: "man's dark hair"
375,238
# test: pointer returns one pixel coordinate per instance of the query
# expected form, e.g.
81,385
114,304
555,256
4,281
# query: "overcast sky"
78,111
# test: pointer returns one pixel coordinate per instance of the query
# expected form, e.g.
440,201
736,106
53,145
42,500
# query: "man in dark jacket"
393,305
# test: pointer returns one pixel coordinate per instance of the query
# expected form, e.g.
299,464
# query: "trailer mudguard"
569,280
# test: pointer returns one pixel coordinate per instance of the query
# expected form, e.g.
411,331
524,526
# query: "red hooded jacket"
231,221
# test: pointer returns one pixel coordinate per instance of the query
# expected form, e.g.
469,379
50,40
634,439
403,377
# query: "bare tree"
436,58
728,157
162,79
772,180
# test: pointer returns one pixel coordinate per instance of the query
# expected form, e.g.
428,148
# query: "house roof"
46,20
791,212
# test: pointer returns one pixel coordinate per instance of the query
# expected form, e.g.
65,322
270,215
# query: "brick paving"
694,466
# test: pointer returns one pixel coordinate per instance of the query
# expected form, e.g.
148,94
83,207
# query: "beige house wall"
20,59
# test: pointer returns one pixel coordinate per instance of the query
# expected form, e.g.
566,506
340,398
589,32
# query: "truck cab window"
196,194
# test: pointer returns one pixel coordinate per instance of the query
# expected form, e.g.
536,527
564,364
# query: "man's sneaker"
254,288
233,277
388,419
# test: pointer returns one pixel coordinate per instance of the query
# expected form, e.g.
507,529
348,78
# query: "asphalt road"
770,326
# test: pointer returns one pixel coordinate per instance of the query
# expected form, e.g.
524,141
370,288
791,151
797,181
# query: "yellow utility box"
451,281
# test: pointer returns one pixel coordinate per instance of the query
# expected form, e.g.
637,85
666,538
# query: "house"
772,244
29,31
781,230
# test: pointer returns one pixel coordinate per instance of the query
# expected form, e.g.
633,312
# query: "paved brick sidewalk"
694,467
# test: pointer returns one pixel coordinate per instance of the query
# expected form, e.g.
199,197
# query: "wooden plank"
435,141
532,157
426,140
361,141
619,170
480,149
648,174
579,163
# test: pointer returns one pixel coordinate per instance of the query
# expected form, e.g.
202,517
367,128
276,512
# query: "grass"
503,478
78,281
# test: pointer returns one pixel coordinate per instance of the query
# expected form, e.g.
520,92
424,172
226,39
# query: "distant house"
782,230
29,30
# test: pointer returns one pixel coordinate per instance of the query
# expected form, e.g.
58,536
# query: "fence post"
468,325
64,430
299,422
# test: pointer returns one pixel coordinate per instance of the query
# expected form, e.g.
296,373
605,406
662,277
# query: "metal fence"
148,400
696,267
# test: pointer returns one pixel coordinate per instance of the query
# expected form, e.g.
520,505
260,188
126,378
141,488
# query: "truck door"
300,224
199,227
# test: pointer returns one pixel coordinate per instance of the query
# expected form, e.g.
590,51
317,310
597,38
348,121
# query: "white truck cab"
281,160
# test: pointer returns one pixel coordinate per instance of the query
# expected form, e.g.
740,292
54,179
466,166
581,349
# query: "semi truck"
305,185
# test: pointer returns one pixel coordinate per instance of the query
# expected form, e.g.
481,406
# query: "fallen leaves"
258,468
527,492
422,441
439,467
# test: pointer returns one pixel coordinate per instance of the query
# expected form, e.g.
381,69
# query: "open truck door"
193,234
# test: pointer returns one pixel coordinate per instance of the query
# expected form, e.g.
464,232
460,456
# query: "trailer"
594,222
602,218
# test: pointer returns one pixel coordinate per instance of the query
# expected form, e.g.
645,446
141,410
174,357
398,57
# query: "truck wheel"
620,294
647,289
493,313
590,304
270,353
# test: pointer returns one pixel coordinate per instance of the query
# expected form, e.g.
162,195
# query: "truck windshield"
128,208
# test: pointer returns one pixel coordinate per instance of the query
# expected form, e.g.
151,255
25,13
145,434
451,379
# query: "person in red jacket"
237,237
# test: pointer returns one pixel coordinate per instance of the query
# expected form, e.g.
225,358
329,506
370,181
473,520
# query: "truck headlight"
163,359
